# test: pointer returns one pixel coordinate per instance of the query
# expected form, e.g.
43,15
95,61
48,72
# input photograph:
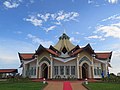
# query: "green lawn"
103,86
21,86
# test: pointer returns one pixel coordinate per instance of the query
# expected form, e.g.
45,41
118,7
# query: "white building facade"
65,61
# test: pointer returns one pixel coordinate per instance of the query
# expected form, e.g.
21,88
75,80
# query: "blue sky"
24,24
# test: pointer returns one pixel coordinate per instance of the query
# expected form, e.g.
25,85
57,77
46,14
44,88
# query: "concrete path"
77,86
58,85
54,85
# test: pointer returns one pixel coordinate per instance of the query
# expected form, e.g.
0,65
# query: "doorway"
44,69
85,68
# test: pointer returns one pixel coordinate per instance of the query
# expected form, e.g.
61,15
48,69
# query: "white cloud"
34,20
115,63
77,33
32,1
53,19
12,3
50,28
8,57
90,1
62,16
113,1
40,41
114,17
95,37
98,3
9,52
112,30
72,39
44,17
58,23
18,32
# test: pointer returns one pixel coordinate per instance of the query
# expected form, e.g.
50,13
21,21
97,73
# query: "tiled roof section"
8,70
51,51
26,56
77,51
103,55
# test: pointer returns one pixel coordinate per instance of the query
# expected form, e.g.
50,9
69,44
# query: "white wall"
70,63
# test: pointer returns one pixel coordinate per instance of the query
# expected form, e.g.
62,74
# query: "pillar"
78,66
51,69
38,72
49,72
91,72
80,72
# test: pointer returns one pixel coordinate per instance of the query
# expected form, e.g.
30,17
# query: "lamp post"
86,81
44,81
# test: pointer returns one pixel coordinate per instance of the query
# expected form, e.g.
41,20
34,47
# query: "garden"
15,83
108,83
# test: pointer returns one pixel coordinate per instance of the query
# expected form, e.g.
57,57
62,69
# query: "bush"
112,78
18,79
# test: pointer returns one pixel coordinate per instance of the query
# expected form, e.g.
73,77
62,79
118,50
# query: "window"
34,71
31,71
61,70
95,71
64,50
56,70
98,71
67,70
72,70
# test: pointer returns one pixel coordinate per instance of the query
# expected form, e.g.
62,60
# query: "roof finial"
64,30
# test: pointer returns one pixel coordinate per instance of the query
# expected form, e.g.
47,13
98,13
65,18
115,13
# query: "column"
50,72
91,71
78,66
24,70
37,71
70,70
80,71
51,66
64,71
106,69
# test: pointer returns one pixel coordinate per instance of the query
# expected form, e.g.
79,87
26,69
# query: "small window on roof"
64,50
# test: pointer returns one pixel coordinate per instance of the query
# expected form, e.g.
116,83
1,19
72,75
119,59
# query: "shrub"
112,78
18,79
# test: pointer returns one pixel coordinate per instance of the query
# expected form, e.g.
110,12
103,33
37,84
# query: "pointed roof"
88,48
41,49
103,55
26,56
64,42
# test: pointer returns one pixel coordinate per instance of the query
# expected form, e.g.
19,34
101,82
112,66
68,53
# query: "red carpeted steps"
67,86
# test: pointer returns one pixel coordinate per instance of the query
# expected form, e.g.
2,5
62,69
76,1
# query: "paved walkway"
54,85
58,85
77,86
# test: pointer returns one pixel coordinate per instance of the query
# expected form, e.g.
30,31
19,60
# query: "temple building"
65,60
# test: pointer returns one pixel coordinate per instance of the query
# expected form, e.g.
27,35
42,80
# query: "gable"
44,54
85,54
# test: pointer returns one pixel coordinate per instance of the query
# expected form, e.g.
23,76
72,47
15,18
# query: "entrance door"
85,68
44,69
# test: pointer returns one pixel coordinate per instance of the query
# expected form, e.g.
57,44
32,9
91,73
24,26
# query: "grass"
21,86
103,86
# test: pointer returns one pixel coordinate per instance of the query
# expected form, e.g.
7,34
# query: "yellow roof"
64,42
